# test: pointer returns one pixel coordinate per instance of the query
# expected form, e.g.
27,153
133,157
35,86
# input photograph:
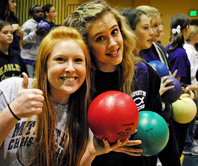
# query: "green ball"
153,131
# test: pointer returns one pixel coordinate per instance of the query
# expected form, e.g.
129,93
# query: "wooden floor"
190,160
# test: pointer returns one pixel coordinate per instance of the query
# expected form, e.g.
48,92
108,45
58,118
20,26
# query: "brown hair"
151,12
87,13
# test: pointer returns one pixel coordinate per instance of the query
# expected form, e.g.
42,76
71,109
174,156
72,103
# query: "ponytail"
178,23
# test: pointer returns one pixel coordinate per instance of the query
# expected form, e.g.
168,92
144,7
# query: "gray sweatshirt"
31,41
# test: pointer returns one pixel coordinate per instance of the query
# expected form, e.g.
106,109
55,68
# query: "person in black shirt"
111,43
11,63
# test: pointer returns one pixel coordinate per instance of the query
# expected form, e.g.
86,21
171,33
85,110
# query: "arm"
7,122
193,62
30,37
19,32
29,34
178,78
191,87
28,102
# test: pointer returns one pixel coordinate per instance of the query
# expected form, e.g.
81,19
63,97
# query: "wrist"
87,158
11,111
15,110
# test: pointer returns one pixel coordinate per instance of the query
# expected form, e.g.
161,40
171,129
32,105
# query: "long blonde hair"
193,31
82,19
76,130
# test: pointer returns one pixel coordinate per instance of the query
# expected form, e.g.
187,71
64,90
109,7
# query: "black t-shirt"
11,65
146,84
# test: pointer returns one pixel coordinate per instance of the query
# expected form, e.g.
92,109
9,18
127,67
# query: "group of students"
26,39
43,120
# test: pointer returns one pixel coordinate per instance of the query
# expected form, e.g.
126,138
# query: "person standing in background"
169,156
11,63
190,145
180,30
49,14
161,33
192,52
134,18
7,9
32,38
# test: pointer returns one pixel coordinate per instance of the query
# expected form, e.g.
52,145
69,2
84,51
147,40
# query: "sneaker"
195,143
193,151
158,163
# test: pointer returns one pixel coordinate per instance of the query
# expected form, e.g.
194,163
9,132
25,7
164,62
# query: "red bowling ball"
113,115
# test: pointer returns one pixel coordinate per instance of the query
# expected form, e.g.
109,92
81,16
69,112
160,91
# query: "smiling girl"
112,44
56,102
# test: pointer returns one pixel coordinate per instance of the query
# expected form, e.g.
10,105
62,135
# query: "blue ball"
43,25
160,67
153,131
172,95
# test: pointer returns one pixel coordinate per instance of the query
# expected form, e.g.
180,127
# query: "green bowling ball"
153,131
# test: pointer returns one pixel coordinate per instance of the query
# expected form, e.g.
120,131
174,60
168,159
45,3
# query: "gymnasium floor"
190,160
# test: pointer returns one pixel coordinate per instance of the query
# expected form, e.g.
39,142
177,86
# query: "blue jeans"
30,69
190,134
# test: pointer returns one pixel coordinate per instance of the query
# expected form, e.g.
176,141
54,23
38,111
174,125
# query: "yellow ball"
184,109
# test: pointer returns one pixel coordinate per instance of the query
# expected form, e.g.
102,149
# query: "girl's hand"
28,102
98,147
15,27
189,89
20,33
163,87
174,74
41,32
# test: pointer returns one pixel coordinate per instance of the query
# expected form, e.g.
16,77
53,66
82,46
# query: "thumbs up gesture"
28,102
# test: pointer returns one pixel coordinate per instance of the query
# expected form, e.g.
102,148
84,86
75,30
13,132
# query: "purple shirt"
179,61
150,54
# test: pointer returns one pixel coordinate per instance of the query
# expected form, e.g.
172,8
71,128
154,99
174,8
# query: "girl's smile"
66,69
106,43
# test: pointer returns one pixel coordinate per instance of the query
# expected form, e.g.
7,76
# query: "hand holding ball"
184,109
172,95
153,131
43,25
113,115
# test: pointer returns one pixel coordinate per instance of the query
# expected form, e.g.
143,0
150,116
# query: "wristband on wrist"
13,113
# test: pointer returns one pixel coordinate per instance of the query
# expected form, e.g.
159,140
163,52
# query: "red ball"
113,115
